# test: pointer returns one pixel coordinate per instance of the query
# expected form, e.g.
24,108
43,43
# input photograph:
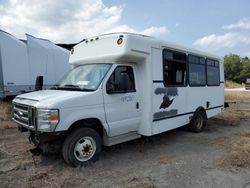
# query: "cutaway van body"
14,65
123,86
29,65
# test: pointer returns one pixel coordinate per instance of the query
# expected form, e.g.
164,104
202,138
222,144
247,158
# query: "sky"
217,26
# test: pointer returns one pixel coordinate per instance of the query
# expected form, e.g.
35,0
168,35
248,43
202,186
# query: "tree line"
236,69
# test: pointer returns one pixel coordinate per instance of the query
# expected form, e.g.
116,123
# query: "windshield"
85,77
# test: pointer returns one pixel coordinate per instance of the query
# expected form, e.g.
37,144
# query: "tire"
81,147
198,122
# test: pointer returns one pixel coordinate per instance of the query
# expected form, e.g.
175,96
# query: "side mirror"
39,83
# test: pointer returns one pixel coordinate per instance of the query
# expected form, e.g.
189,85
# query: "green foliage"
236,69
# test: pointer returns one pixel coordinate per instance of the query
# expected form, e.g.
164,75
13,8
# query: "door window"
197,71
116,79
174,68
213,74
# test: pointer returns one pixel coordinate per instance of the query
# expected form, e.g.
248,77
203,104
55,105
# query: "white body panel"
118,112
14,65
22,61
47,60
121,112
76,105
106,50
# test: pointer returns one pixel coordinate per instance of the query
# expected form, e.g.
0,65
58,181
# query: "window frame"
214,60
122,92
199,63
163,58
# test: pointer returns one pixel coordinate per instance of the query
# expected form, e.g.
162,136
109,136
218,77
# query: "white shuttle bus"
122,86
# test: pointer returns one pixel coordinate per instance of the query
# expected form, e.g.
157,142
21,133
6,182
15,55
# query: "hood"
47,94
60,98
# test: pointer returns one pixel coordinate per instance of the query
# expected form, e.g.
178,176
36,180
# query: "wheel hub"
85,149
199,122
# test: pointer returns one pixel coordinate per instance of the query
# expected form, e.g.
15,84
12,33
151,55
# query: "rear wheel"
81,147
198,122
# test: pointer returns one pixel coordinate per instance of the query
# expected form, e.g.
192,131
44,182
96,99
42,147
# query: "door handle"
137,105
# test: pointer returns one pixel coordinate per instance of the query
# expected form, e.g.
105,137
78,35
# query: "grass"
5,114
237,96
233,118
239,108
230,85
239,153
5,110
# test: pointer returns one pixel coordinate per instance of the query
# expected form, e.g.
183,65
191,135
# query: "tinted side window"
174,68
213,76
197,71
116,77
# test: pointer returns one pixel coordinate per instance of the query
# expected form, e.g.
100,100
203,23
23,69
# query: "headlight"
47,119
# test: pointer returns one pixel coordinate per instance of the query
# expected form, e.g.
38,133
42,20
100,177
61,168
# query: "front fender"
69,116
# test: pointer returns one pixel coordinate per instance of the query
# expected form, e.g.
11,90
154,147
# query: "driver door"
121,102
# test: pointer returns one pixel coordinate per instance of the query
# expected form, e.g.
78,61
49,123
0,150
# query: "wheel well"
201,109
92,123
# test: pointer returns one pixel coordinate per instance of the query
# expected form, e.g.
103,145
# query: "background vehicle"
29,65
247,84
123,86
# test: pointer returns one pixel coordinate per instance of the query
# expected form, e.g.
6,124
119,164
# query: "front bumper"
39,138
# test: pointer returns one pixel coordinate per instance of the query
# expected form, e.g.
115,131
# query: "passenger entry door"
170,94
121,102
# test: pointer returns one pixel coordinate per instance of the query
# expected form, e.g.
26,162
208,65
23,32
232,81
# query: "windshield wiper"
70,85
84,89
76,86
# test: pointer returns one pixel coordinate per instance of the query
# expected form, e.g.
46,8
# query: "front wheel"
198,122
81,147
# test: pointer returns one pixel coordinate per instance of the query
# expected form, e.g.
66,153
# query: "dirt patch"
165,159
231,117
135,182
238,108
238,149
236,96
7,125
5,110
222,142
230,84
239,153
5,114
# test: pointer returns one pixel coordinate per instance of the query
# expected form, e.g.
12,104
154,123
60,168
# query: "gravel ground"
177,158
174,159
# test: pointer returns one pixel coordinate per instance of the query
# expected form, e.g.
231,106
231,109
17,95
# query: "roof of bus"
163,44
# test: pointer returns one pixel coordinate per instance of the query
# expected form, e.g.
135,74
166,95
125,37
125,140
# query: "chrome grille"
24,115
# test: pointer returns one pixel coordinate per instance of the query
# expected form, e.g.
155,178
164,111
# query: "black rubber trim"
157,81
158,119
211,108
161,81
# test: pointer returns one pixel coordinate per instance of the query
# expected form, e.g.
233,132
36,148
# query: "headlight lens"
47,119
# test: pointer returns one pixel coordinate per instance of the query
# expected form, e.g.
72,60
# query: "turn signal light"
53,118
